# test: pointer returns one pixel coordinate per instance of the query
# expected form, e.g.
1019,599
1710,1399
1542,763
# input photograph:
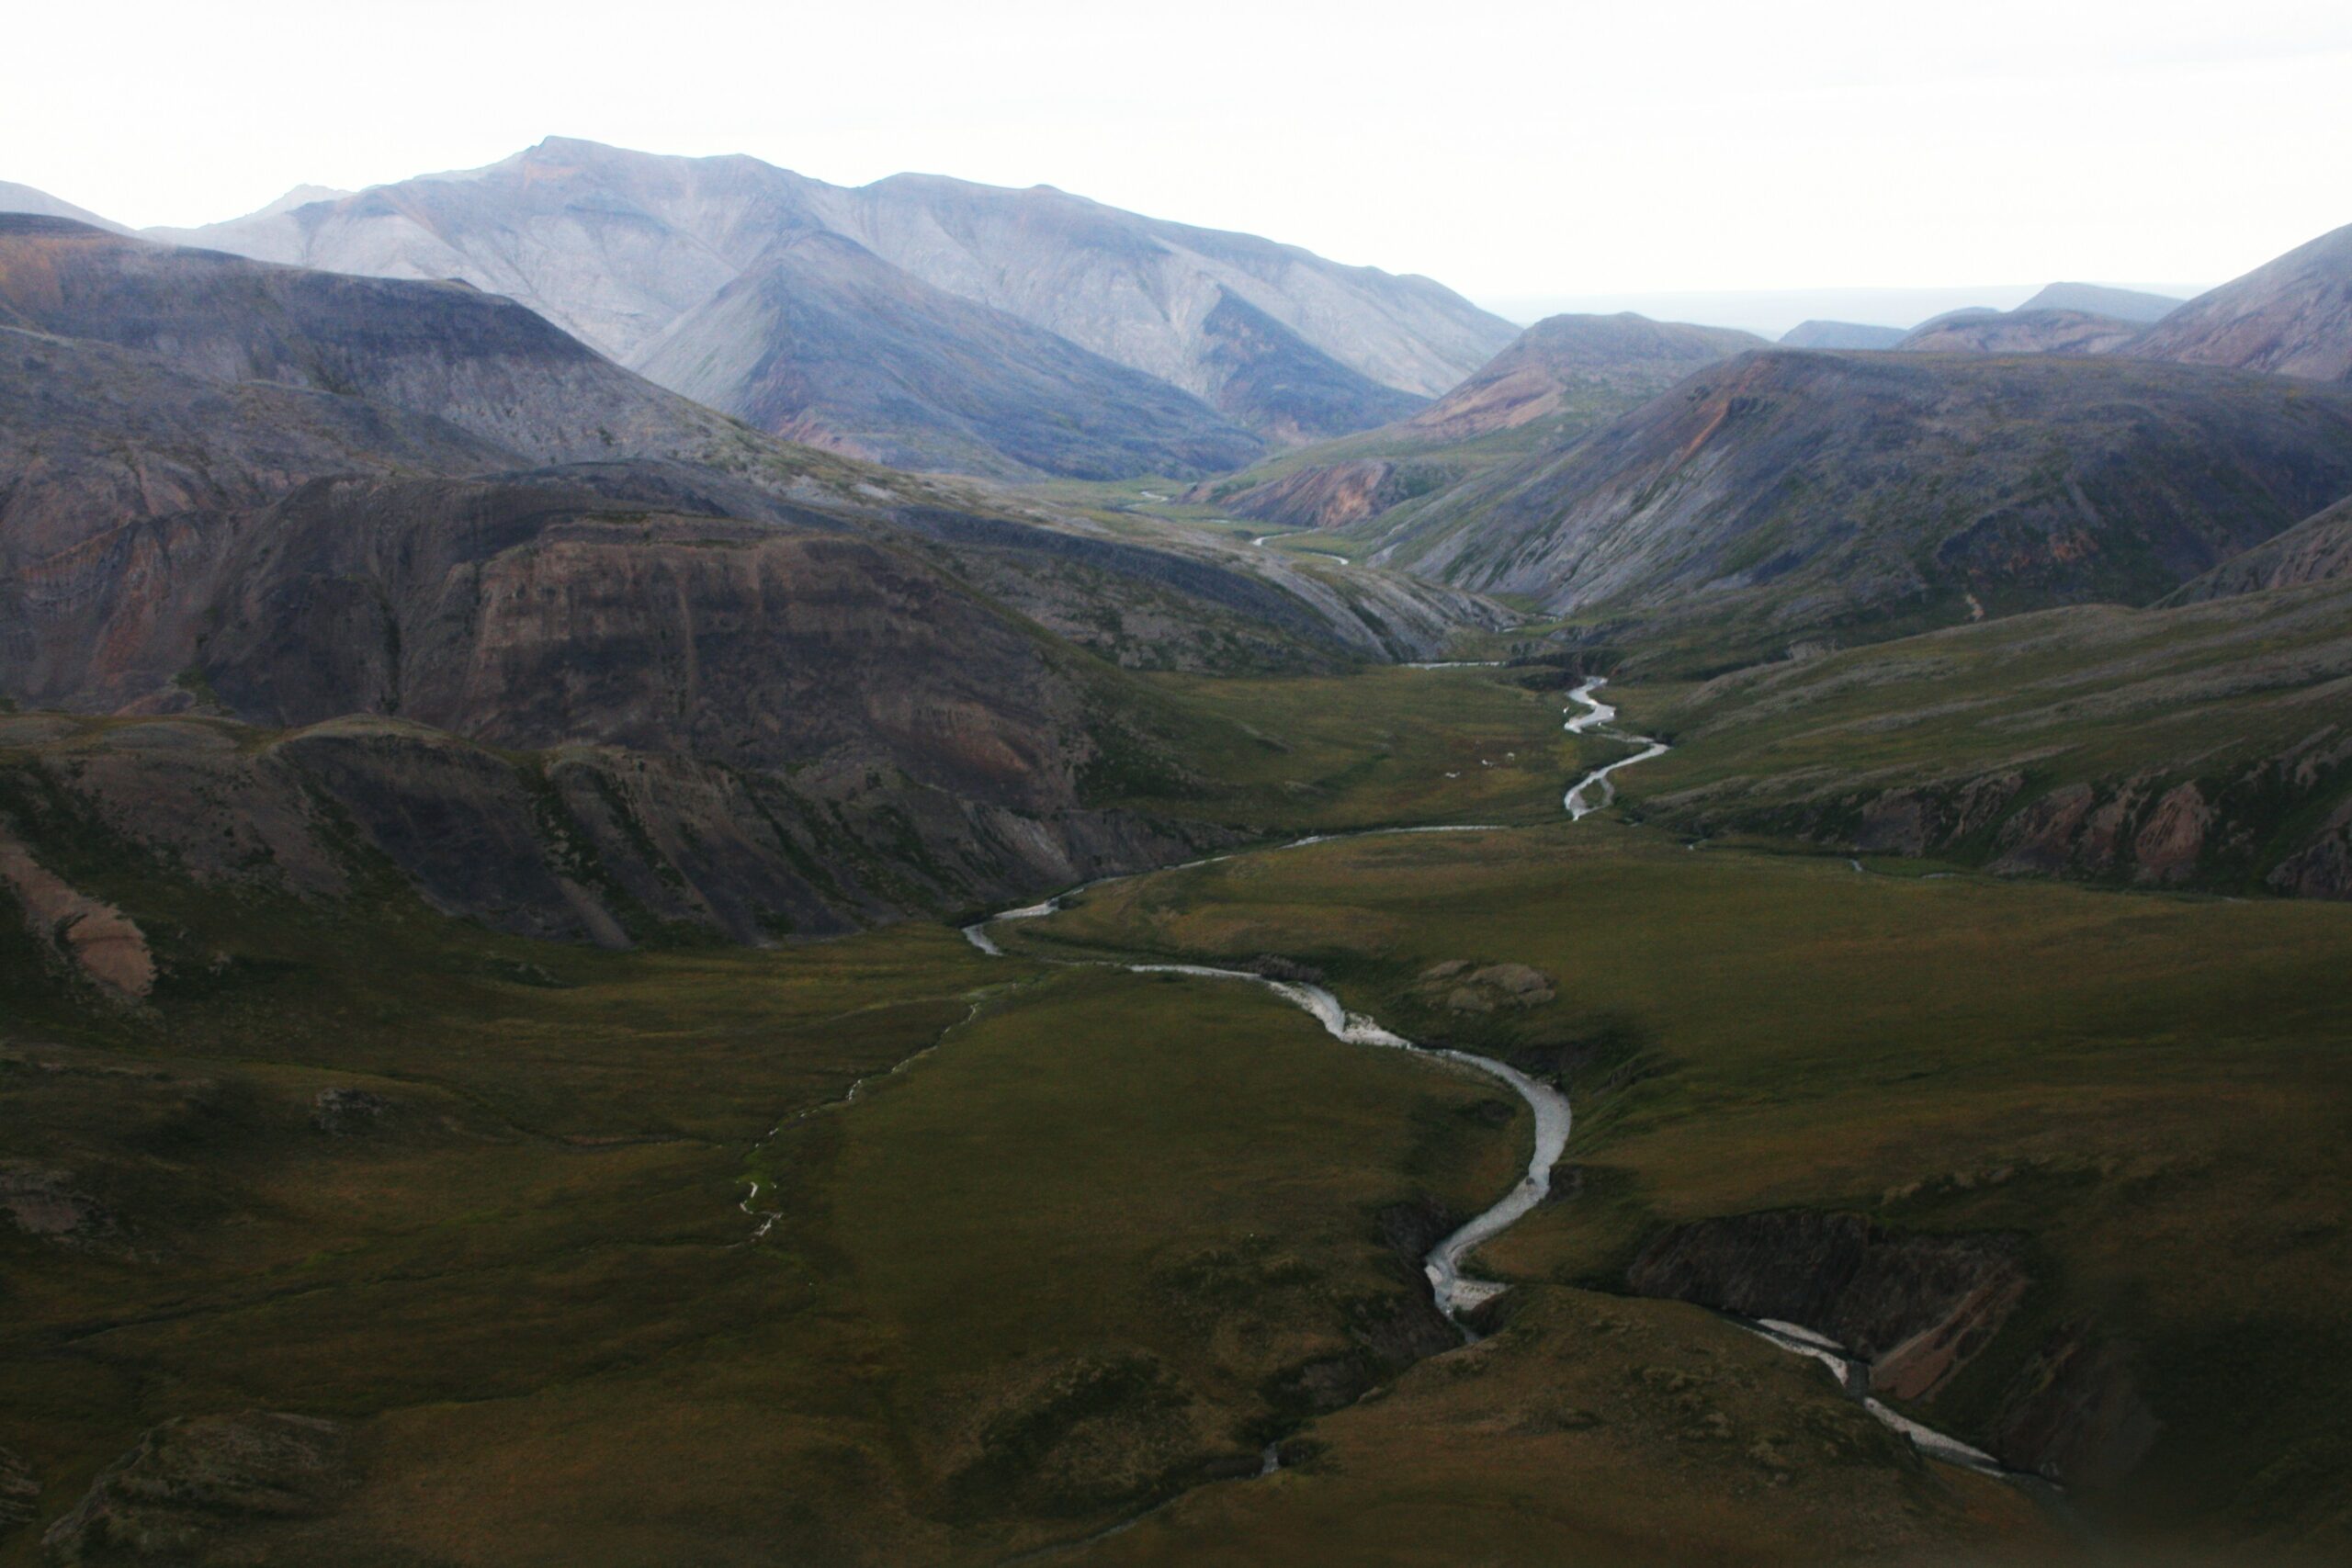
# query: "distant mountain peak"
2099,299
1823,335
14,198
618,247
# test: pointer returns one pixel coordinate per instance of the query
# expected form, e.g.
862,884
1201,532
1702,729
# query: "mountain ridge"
615,245
2291,316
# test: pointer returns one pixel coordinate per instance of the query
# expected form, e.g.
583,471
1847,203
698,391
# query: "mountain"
2098,299
616,246
418,538
2317,549
1785,496
14,198
1840,334
1574,362
1560,377
821,341
1266,376
444,350
2023,330
2291,317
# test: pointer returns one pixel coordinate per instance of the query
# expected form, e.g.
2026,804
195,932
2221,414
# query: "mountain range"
510,741
426,518
1560,378
1813,490
663,262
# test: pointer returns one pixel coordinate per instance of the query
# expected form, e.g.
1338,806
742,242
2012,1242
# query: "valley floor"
881,1250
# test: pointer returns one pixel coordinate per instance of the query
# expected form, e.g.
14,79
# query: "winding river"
1454,1293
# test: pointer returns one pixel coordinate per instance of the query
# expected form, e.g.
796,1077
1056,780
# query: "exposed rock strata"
1916,1310
1916,1307
94,938
583,843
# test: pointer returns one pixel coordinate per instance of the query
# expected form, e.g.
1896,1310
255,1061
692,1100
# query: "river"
1454,1291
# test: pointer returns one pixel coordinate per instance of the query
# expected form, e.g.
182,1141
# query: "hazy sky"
1510,151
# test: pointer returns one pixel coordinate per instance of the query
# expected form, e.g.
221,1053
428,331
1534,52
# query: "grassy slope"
2207,692
1327,754
530,1282
2160,1111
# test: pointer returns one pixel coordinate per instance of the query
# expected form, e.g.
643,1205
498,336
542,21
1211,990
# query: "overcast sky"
1513,151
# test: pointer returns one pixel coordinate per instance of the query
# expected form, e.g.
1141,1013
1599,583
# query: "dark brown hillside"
2317,549
1786,495
481,362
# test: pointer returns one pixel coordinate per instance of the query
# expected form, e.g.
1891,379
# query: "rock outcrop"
45,1203
96,940
1917,1308
194,1482
2076,1413
1462,987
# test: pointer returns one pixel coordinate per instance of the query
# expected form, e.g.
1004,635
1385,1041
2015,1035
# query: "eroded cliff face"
88,936
1917,1310
2248,827
580,842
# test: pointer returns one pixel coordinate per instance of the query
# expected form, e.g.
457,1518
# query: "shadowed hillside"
821,341
1788,496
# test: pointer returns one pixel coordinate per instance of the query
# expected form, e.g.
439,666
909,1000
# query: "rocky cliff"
1916,1310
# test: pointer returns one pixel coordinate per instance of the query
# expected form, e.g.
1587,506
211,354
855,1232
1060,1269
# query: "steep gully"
1453,1292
